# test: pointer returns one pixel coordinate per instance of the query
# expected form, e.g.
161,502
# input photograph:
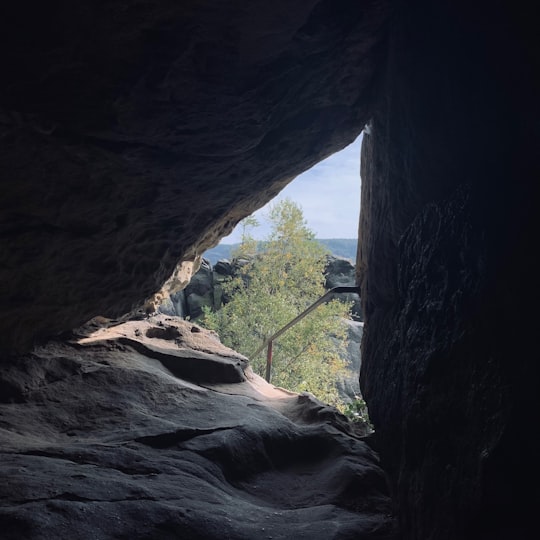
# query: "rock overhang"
135,135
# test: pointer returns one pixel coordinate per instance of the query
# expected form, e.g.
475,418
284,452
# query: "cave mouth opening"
328,194
322,204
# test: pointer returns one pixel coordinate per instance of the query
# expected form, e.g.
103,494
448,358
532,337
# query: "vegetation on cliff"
275,285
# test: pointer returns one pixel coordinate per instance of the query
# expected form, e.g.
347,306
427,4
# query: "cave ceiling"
135,134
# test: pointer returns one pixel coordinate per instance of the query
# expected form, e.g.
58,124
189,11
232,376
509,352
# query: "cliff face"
448,221
136,134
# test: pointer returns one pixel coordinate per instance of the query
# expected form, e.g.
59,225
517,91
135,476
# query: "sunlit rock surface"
103,437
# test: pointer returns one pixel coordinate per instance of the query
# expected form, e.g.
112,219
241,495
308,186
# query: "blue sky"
328,193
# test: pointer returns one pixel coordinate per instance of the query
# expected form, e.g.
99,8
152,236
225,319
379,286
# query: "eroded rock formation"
136,134
161,432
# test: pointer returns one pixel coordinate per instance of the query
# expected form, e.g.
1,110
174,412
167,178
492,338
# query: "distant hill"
341,247
221,251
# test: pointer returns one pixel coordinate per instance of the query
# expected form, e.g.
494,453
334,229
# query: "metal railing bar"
269,341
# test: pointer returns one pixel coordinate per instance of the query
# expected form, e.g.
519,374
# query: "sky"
328,193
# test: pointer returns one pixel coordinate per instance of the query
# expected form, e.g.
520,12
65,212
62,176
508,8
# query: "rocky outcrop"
204,290
135,135
200,291
206,287
340,272
137,447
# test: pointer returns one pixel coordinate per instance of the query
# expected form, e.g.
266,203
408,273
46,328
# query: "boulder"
223,267
340,272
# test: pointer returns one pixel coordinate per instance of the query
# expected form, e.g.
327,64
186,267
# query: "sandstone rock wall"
136,134
449,220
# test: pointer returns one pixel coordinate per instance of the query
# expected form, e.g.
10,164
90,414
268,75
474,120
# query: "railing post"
268,343
269,361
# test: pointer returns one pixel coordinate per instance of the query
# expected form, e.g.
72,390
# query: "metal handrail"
269,341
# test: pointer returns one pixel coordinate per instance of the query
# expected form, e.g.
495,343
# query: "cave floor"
152,429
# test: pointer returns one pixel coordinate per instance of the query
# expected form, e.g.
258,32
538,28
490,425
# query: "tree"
283,276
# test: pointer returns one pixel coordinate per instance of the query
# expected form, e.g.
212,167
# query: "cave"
135,134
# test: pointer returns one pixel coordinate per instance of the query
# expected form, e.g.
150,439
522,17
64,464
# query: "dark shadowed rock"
449,214
174,305
202,282
339,272
134,451
200,291
204,290
223,267
169,306
135,135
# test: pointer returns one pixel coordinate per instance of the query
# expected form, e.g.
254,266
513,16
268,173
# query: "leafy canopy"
281,278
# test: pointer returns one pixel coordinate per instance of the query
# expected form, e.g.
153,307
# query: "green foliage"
357,411
276,285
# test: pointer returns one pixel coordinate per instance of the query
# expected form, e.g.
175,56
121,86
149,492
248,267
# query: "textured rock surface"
204,290
133,451
449,218
135,134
